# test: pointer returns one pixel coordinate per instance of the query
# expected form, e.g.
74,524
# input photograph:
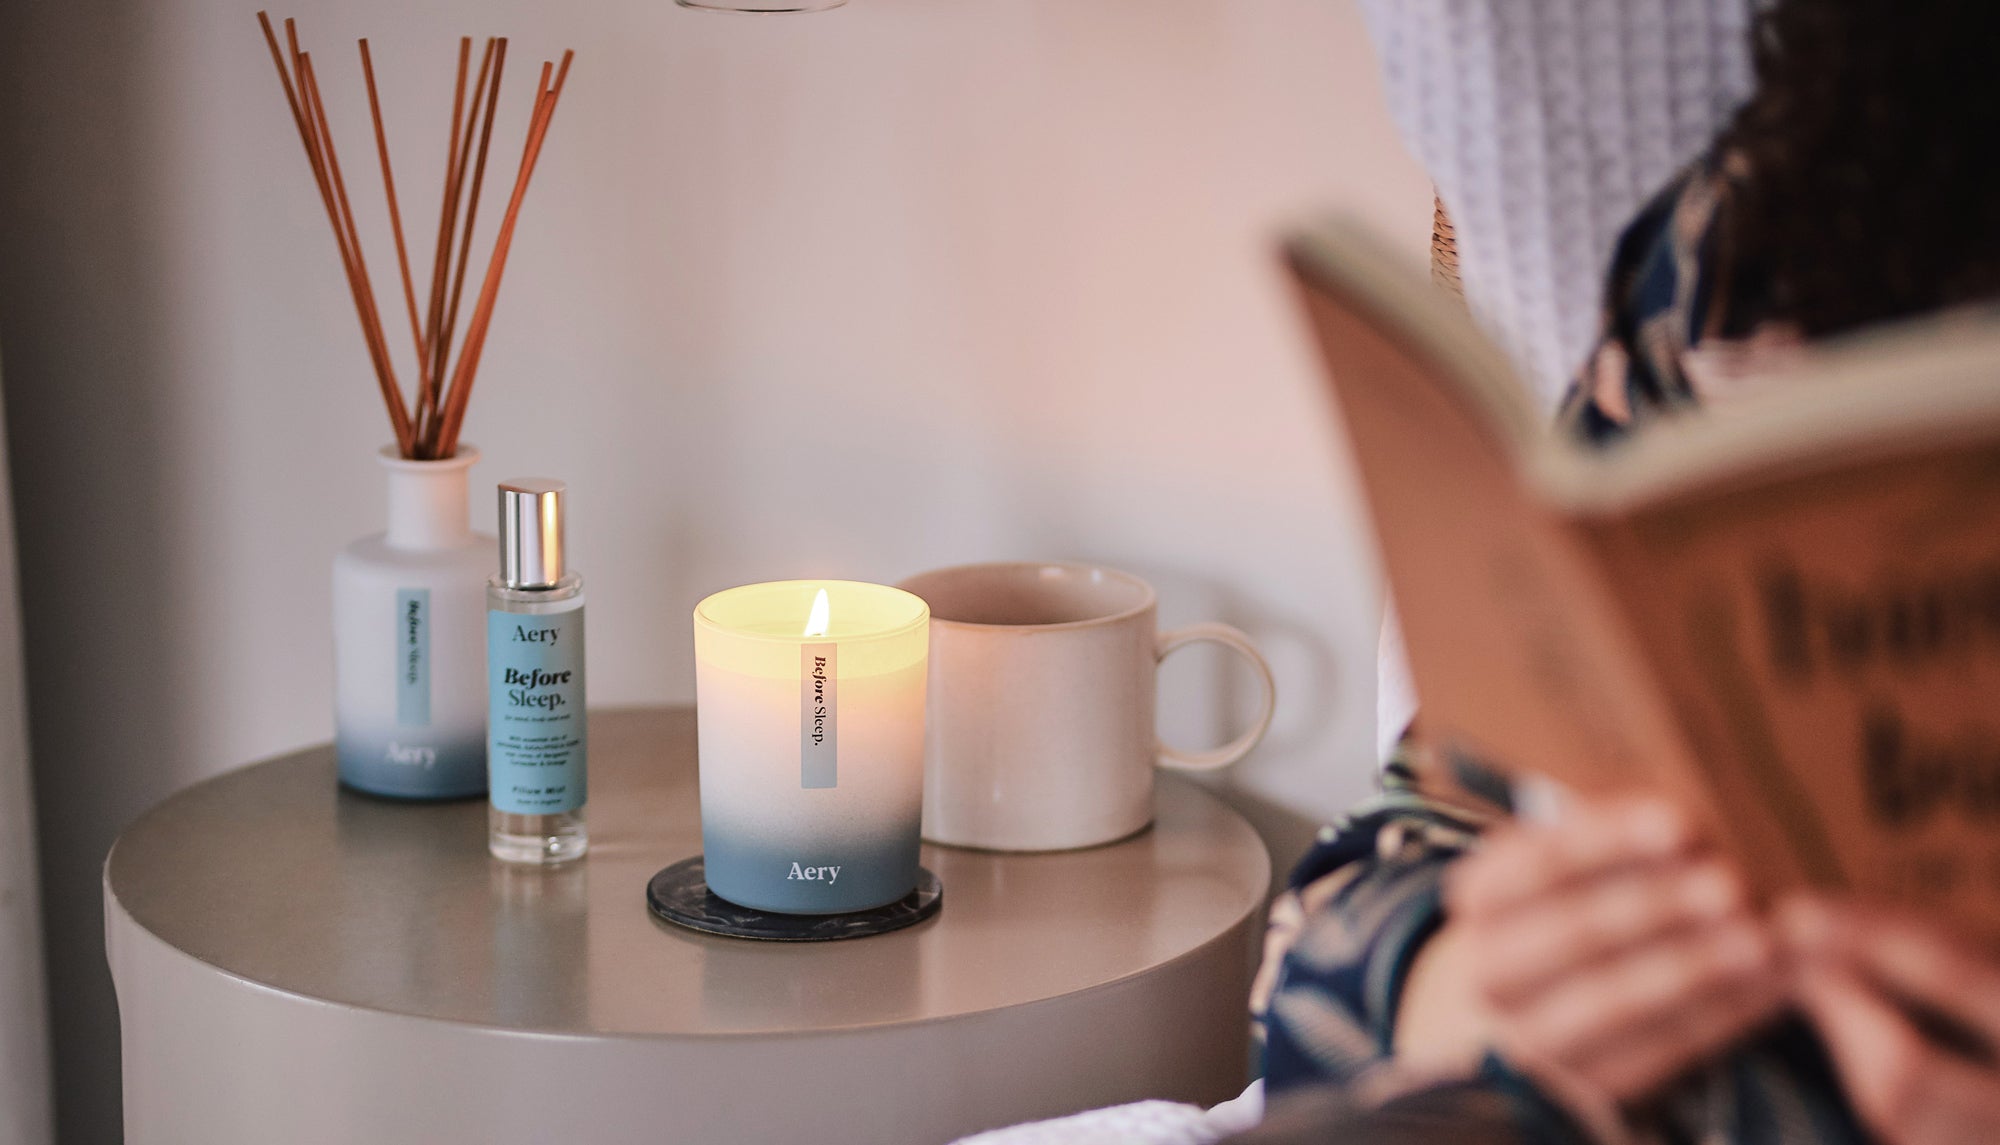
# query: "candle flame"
822,615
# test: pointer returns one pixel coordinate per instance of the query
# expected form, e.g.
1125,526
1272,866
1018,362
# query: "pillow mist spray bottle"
535,734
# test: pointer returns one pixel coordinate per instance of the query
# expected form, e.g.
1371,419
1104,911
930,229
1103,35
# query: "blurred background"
849,294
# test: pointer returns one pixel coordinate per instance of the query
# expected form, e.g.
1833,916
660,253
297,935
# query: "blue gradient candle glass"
810,710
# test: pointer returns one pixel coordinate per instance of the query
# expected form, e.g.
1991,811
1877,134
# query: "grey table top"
273,874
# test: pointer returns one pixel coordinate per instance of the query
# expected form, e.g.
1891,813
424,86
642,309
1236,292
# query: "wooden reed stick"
371,319
472,209
316,157
562,76
309,138
298,98
496,56
447,211
318,149
482,314
395,215
309,83
285,78
475,342
458,161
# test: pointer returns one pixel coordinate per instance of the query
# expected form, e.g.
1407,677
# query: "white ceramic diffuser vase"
409,639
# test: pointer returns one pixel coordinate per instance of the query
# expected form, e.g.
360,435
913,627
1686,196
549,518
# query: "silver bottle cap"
531,532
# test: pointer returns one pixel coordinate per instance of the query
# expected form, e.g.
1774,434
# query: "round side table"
299,963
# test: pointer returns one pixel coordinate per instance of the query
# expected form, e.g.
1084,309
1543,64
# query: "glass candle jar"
810,713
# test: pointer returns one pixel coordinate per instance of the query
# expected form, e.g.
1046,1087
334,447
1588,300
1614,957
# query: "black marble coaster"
680,895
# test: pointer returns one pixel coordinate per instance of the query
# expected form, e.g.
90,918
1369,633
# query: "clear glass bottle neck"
568,588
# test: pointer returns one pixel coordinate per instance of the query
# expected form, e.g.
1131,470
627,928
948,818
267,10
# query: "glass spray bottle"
535,734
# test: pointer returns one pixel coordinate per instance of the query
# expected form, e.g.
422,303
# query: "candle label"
819,710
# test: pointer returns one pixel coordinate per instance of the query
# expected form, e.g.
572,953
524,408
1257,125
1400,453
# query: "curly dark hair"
1864,174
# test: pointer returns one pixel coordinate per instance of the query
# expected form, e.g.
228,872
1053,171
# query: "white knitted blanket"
1140,1123
1546,124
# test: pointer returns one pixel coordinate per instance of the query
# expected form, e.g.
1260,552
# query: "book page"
1830,638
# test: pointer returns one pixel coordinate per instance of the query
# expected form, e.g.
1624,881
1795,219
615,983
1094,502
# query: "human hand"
1910,1014
1611,952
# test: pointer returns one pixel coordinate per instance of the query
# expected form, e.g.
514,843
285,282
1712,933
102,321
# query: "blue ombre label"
413,656
836,873
535,721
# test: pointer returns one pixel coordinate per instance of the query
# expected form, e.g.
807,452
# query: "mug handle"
1233,639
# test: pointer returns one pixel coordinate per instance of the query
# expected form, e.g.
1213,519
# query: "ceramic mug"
1040,733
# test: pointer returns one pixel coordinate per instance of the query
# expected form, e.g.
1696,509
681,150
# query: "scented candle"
810,711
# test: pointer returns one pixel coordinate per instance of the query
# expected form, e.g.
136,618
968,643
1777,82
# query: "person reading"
1607,970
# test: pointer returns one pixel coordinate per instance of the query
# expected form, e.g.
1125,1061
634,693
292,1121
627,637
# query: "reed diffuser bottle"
535,733
408,646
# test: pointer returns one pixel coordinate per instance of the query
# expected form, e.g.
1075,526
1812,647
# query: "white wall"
850,294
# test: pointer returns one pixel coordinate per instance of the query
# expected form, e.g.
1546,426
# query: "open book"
1784,614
